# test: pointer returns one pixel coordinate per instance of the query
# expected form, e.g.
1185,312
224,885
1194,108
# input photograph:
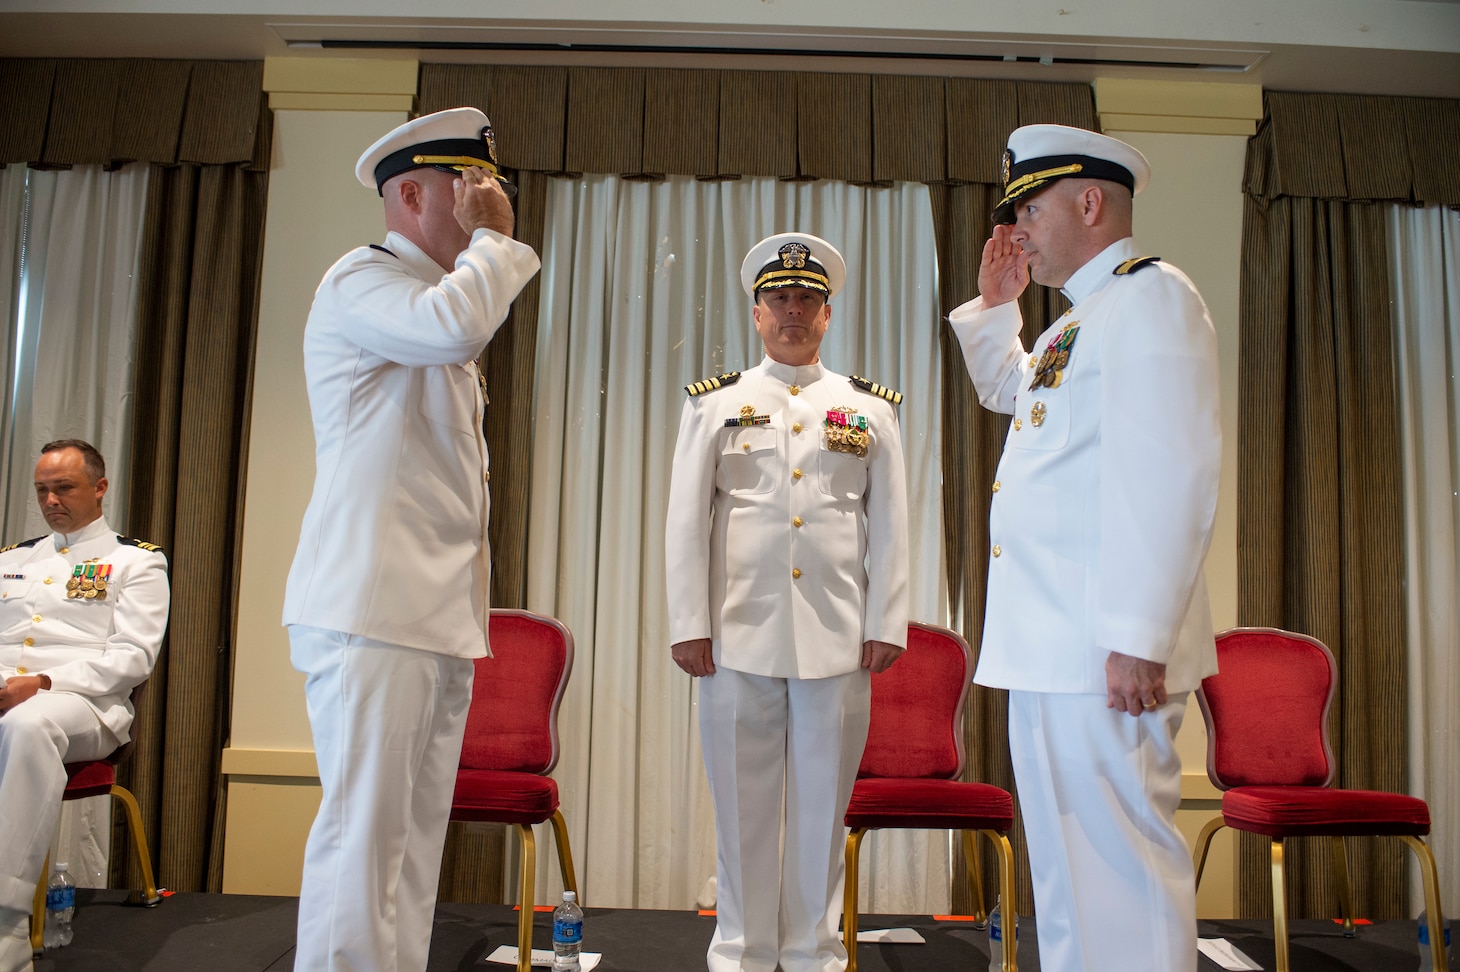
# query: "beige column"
326,112
1195,137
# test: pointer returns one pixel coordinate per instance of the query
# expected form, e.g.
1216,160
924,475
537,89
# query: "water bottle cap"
570,895
62,865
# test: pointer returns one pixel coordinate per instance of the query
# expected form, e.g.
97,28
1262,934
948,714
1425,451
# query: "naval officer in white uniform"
786,552
1097,618
82,616
387,597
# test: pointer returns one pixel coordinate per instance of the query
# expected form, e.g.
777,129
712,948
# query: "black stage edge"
251,933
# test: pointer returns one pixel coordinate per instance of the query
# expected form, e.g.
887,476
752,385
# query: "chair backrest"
917,708
1266,709
513,720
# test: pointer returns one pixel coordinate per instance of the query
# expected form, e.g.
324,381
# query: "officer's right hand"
481,203
1003,273
695,657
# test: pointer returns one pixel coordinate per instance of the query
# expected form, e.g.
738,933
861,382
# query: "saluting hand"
481,203
1003,273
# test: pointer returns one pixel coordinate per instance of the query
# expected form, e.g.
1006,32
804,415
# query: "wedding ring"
1148,705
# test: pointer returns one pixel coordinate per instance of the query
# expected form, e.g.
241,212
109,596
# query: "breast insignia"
710,384
881,391
23,543
139,543
1134,264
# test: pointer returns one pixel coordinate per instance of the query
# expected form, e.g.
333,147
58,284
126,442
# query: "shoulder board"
710,384
1138,263
23,543
377,246
881,391
139,543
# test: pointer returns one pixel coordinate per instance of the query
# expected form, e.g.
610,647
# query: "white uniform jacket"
785,553
98,647
394,542
1106,493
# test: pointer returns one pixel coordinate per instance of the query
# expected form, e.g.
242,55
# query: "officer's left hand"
18,688
1134,685
879,655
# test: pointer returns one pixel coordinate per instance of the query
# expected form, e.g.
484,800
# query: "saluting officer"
786,550
1102,514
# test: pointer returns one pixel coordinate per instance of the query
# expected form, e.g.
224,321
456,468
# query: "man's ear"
409,191
1092,203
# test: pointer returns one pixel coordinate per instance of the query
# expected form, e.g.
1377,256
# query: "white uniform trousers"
1113,881
781,750
37,738
387,724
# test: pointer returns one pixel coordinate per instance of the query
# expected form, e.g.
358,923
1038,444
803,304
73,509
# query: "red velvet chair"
909,773
511,745
99,778
1267,747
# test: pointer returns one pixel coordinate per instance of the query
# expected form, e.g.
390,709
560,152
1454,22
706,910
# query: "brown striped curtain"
1320,527
645,123
203,128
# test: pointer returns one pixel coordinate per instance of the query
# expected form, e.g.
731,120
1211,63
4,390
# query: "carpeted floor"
245,933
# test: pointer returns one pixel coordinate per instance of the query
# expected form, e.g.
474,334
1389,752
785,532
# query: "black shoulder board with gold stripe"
1132,265
139,543
881,391
376,246
710,384
23,543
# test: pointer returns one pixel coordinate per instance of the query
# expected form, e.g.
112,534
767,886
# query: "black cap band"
1032,175
456,153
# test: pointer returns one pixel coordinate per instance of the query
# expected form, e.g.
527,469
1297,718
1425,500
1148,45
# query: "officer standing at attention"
82,617
786,551
1097,618
387,597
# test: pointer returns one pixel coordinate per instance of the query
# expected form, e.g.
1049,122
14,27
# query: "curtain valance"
59,113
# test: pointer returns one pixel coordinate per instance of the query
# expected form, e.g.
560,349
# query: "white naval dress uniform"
94,650
387,598
788,556
1101,518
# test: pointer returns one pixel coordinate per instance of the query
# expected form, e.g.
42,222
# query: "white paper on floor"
507,955
897,936
1227,955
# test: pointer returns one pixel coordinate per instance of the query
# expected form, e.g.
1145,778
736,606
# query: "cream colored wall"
325,113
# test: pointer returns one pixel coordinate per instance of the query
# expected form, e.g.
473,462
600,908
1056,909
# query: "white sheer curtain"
1424,246
69,248
641,296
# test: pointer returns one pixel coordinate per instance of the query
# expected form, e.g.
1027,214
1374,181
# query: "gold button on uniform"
1033,361
794,389
47,580
488,476
745,446
795,521
1018,424
36,618
20,671
65,550
30,642
998,550
796,427
795,571
996,485
795,474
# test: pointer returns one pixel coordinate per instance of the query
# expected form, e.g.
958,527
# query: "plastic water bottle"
996,936
1426,960
60,906
567,934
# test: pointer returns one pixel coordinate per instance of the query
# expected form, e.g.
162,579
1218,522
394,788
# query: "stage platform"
246,933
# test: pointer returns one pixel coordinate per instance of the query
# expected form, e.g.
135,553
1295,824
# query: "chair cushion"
1311,811
501,796
93,778
929,804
